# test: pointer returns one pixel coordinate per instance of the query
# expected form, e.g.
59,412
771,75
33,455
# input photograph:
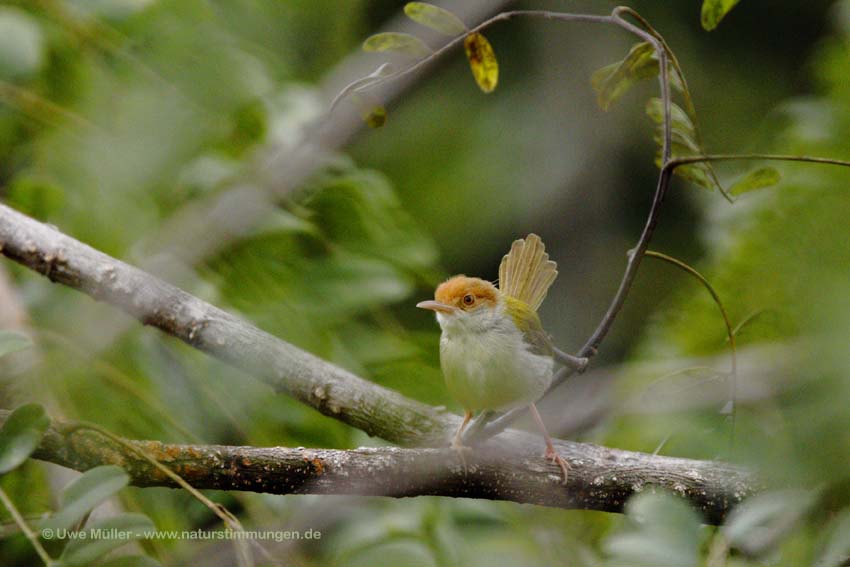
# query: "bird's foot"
462,451
554,457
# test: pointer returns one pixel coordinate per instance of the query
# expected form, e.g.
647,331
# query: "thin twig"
676,162
503,16
480,428
730,333
223,513
16,515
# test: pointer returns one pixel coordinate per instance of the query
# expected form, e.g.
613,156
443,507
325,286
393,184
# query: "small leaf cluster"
20,436
480,54
662,530
613,81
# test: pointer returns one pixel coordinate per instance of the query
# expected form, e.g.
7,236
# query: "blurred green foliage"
116,115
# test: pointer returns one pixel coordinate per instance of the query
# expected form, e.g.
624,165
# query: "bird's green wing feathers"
526,272
528,322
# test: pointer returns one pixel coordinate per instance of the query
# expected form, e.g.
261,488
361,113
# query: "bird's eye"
468,299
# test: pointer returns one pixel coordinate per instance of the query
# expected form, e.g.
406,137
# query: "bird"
494,353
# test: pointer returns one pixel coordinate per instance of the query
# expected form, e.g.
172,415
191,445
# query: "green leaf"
715,10
345,284
20,435
760,523
613,81
13,341
837,547
395,42
756,179
112,10
434,17
86,492
282,221
683,143
679,119
36,196
131,561
21,44
402,552
662,530
482,61
105,535
361,211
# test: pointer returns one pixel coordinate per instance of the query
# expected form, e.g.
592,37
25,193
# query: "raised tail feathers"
526,272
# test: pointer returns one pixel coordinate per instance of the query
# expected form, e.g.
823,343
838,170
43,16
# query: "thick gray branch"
601,478
328,388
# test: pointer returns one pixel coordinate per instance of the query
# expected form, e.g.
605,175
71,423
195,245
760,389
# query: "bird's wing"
528,322
526,272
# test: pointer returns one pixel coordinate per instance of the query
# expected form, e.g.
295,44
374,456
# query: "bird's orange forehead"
453,290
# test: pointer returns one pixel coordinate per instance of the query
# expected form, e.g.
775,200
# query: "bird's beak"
436,306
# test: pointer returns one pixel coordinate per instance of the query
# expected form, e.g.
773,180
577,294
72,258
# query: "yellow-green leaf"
85,493
434,17
395,42
756,179
20,435
482,61
371,110
684,142
375,117
679,119
13,341
613,81
87,550
715,10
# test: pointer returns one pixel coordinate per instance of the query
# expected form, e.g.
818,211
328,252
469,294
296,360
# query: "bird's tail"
526,272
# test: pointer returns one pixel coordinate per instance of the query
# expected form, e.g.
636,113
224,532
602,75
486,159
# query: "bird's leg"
457,445
551,454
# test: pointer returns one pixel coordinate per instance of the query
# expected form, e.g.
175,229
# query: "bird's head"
464,303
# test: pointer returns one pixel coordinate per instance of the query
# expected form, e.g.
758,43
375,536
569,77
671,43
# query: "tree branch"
603,485
320,384
507,467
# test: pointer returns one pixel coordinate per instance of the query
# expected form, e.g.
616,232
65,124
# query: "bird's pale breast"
493,369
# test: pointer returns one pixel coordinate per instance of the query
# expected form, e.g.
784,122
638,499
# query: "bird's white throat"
479,320
486,361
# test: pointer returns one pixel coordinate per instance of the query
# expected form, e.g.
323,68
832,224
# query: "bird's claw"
461,451
553,457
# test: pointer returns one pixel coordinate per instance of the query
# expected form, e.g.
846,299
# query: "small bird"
494,352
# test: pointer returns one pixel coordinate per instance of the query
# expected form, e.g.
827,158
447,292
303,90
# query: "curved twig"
707,285
730,333
676,162
486,426
24,527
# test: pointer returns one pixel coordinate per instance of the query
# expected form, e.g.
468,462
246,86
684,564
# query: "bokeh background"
150,128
